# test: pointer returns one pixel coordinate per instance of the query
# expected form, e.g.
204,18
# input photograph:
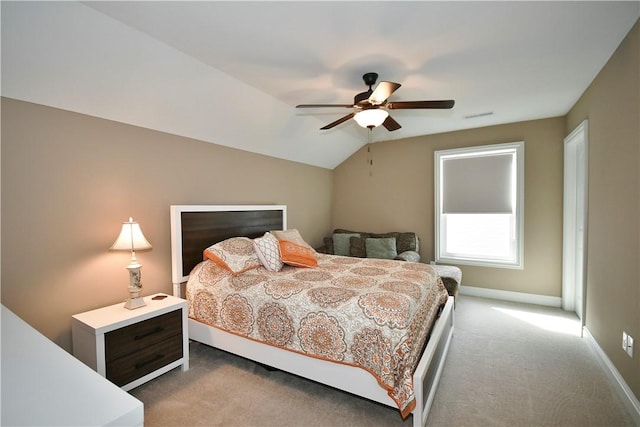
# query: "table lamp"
132,239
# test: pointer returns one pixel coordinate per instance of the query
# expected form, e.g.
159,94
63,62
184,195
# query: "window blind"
478,184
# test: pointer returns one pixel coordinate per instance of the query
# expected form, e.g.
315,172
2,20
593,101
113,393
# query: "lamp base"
133,303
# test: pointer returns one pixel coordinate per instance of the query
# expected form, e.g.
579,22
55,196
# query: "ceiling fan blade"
382,92
420,104
324,105
337,122
391,124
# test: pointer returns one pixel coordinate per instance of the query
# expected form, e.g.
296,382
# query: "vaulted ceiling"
231,73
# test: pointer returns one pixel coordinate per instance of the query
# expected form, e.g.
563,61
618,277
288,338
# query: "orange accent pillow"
297,255
293,236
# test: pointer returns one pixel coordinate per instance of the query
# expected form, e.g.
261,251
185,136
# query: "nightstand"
131,347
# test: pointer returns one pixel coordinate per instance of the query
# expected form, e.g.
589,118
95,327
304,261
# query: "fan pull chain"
369,155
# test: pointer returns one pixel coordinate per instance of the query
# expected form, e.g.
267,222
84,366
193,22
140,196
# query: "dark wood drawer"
142,335
132,347
132,366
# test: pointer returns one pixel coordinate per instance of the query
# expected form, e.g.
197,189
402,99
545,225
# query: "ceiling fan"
370,107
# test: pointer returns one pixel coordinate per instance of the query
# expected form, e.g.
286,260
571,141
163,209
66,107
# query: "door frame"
575,220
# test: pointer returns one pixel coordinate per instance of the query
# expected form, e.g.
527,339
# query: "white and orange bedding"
370,313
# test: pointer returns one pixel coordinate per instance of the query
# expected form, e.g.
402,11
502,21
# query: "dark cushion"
358,247
406,241
328,246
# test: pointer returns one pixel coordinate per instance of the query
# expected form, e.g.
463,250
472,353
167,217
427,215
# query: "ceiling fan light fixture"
371,118
369,109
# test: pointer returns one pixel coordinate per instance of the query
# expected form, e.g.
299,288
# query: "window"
479,205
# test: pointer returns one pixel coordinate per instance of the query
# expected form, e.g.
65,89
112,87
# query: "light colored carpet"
509,365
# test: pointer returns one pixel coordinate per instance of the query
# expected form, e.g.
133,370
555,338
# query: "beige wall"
612,106
70,180
397,194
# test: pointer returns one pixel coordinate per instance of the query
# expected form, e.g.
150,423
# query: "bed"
347,366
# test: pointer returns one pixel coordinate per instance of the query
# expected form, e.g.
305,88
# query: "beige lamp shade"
130,238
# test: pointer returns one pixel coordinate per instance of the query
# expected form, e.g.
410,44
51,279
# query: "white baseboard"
511,296
628,398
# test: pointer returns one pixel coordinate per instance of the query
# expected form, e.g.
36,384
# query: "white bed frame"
347,378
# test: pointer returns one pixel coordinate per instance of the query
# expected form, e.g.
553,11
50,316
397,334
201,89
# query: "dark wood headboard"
196,227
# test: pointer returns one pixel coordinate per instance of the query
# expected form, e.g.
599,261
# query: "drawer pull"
155,331
140,365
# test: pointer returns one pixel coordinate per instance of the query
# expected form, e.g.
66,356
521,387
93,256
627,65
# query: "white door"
575,219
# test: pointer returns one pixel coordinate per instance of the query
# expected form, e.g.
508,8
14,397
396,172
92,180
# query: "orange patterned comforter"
370,313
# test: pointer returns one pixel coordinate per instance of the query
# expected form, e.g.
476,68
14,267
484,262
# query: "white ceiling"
231,73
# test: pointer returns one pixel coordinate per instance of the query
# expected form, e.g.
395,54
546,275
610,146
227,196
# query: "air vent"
474,116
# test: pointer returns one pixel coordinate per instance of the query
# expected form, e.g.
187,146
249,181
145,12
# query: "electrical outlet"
625,340
630,345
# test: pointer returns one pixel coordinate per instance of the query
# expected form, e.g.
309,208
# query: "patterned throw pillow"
268,251
235,254
293,236
297,255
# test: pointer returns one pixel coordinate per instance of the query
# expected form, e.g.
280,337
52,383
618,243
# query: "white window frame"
439,157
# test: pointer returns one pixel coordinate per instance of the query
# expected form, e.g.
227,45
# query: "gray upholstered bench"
451,277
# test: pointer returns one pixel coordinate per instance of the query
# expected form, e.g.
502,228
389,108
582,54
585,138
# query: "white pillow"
268,251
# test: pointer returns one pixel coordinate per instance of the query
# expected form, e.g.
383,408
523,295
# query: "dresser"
131,347
43,385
